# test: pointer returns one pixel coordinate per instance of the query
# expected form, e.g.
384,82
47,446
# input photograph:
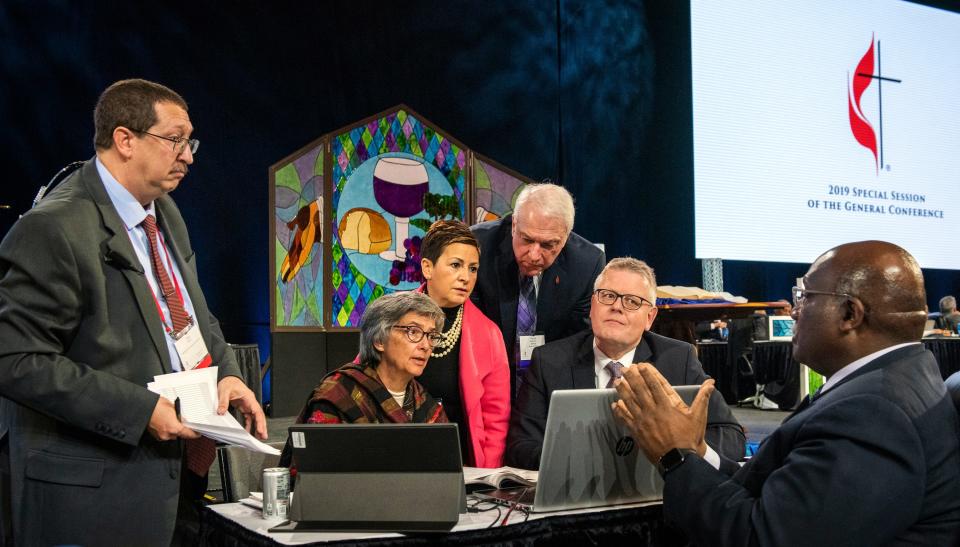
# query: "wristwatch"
672,460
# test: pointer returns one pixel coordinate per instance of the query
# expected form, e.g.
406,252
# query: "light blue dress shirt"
132,214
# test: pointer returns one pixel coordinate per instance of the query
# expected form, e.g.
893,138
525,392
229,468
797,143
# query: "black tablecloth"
248,357
713,357
775,368
636,527
947,352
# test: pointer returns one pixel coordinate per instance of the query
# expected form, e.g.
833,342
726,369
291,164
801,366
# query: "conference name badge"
528,344
192,349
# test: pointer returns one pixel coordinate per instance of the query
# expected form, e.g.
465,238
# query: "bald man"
873,458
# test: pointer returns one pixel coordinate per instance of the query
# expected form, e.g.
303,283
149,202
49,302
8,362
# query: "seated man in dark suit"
871,459
621,312
536,275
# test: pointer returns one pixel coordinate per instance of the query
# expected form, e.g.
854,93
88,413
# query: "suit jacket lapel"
584,371
507,272
643,352
117,252
551,289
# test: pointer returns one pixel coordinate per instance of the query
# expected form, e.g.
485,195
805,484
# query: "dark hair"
444,233
129,103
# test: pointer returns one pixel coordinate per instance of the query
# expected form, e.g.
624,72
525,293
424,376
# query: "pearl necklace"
451,336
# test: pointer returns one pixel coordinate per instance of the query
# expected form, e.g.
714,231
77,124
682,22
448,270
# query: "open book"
502,477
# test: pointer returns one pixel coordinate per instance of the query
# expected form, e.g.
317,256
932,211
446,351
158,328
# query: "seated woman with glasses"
397,334
468,369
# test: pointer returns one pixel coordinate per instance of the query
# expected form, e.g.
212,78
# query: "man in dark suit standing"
536,275
622,311
99,293
871,459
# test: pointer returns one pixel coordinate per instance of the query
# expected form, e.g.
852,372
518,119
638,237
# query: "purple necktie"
526,322
616,371
527,308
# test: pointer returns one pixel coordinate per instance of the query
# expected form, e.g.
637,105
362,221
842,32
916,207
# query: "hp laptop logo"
624,446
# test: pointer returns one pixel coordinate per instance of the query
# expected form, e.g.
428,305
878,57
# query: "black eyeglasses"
630,301
179,143
415,334
799,295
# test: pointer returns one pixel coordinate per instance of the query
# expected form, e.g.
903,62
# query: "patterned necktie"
200,452
616,371
178,315
527,307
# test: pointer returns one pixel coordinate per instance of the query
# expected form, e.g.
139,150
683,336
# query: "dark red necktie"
178,315
200,452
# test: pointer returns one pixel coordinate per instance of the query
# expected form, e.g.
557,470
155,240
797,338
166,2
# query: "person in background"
872,458
712,330
621,314
949,316
536,275
468,369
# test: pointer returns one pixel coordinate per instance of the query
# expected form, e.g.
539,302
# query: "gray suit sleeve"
42,305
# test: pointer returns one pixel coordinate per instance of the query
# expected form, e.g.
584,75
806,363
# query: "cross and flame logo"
863,77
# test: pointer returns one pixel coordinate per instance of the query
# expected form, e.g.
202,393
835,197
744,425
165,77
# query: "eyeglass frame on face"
623,299
433,337
800,295
180,142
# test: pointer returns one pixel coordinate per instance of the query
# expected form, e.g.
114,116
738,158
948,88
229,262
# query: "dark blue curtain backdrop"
594,94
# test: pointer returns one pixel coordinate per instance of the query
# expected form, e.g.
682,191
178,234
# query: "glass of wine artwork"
399,185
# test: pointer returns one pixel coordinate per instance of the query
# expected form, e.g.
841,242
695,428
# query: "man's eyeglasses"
799,295
630,301
179,143
415,334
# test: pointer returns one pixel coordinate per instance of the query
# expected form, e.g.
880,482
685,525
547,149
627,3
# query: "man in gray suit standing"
99,293
872,458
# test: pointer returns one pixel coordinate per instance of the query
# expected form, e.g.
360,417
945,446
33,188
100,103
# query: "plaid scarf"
355,394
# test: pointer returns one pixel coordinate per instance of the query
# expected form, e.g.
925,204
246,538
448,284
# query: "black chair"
241,470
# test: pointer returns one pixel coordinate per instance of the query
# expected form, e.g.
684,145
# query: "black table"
636,527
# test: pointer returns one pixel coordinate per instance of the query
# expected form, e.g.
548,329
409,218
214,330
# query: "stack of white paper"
197,391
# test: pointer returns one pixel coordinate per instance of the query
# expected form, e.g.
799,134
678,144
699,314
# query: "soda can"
276,492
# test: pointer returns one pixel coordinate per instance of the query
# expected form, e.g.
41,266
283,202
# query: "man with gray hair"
949,316
622,311
536,275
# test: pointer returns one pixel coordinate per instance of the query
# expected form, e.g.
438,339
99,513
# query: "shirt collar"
858,364
600,359
127,206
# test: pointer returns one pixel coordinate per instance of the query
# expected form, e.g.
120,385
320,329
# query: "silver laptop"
589,459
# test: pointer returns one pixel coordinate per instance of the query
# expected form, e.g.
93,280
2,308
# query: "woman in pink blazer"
468,370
